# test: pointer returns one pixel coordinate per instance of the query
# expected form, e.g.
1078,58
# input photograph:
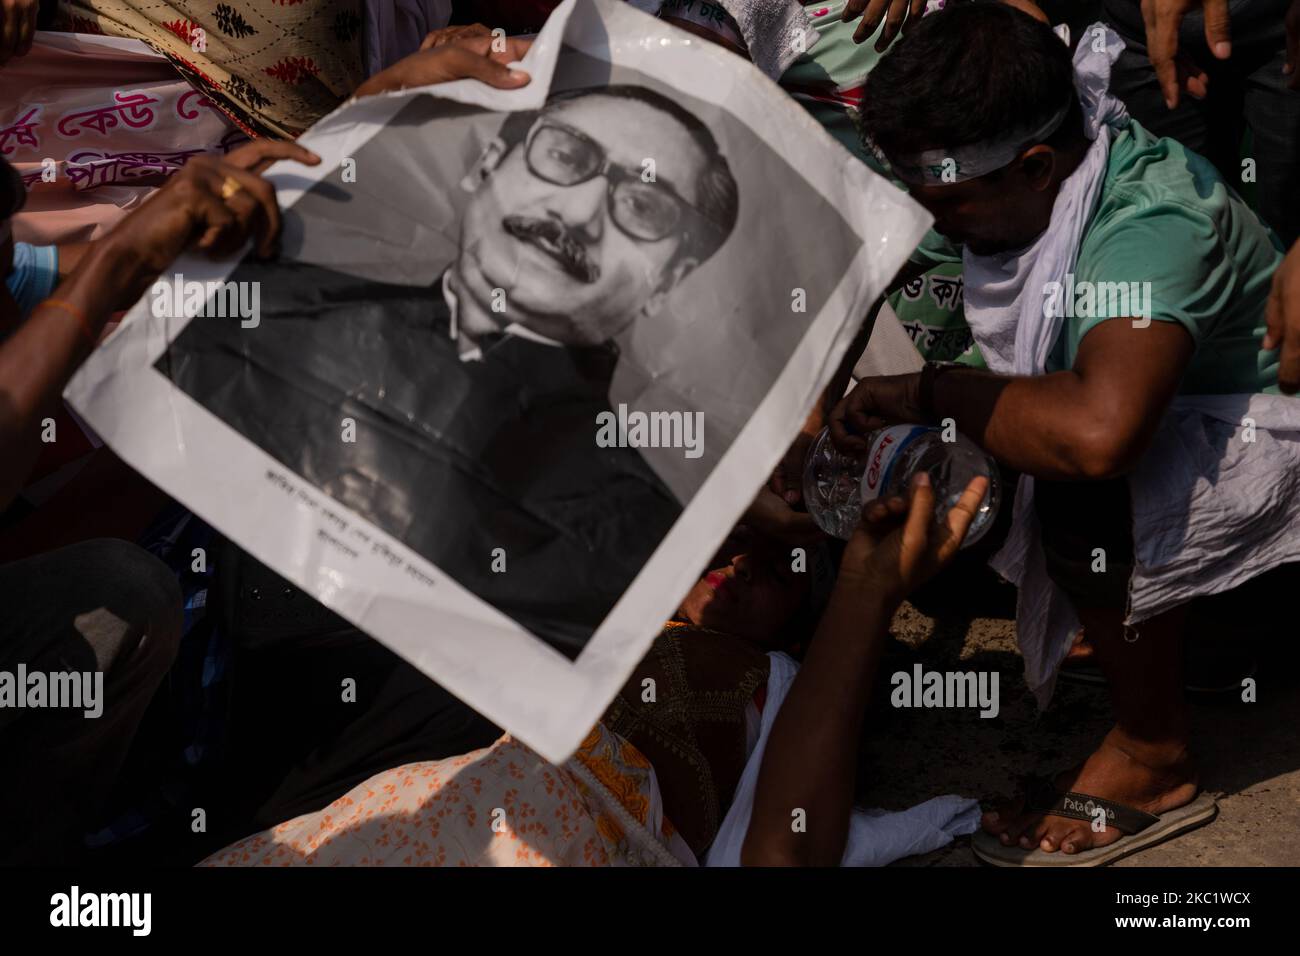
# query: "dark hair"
13,194
718,198
968,74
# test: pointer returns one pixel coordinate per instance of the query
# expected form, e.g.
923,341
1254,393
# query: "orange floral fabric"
500,806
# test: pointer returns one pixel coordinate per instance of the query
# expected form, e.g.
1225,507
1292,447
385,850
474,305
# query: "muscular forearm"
1049,426
811,756
1089,423
37,361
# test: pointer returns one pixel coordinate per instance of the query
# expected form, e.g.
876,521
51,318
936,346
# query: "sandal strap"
1082,806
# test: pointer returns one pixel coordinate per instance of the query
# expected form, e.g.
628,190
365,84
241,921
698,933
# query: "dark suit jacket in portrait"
453,458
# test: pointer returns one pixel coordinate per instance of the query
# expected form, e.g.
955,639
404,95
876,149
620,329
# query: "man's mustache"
561,246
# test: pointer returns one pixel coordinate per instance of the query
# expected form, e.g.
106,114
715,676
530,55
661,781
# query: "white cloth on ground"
1209,511
876,837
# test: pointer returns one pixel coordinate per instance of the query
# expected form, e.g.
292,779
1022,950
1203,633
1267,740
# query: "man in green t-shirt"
1170,240
1164,299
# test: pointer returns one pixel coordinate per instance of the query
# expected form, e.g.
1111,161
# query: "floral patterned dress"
500,806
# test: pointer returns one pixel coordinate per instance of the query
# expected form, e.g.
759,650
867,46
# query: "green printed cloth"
829,82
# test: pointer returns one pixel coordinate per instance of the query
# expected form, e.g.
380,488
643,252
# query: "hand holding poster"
523,359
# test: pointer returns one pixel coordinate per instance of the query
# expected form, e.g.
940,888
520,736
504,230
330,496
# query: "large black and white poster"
523,357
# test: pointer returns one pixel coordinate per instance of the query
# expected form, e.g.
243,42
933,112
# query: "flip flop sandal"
1141,829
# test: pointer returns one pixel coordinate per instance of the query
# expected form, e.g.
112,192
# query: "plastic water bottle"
836,486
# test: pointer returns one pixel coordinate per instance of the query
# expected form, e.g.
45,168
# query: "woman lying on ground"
720,748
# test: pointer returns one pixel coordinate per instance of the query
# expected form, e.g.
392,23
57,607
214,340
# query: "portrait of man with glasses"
475,394
589,219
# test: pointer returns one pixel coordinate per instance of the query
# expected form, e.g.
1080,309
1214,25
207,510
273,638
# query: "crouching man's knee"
1087,535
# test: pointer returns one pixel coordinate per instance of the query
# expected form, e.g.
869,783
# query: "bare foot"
1120,770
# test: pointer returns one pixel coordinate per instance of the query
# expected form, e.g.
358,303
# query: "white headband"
939,167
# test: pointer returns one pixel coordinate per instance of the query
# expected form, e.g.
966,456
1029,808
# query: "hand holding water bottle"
866,454
897,547
875,402
839,486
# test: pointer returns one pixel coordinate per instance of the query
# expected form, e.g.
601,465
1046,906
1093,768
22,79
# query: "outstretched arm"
811,755
1089,423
